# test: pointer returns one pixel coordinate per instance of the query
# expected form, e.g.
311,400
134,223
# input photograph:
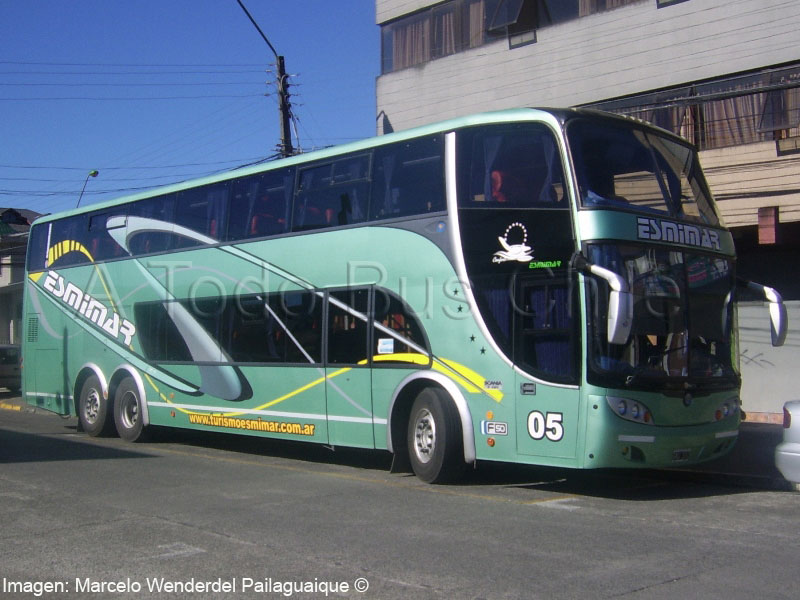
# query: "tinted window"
619,166
283,327
157,333
398,332
202,212
102,244
150,225
69,242
512,166
409,179
347,326
332,194
37,247
260,205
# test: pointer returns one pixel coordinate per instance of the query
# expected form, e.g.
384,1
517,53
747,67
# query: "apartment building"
724,74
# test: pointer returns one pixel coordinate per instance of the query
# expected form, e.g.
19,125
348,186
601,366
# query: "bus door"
546,346
348,376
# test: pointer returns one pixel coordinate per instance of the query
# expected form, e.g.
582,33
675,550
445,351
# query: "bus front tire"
93,409
128,412
434,438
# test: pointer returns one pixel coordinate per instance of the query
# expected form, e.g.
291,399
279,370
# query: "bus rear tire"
435,447
128,412
93,409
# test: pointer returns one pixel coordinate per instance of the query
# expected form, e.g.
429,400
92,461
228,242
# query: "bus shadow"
19,447
632,485
644,485
370,459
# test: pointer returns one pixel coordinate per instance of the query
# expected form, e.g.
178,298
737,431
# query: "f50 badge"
494,428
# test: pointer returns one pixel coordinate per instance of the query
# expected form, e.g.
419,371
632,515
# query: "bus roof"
501,116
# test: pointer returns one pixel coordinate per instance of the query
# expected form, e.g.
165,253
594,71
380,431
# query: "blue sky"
150,92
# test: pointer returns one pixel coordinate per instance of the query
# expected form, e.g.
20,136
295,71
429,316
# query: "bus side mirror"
620,300
620,305
778,317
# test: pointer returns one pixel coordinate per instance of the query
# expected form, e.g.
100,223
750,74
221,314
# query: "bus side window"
260,204
347,326
332,194
351,189
397,329
409,179
160,339
301,314
37,247
69,242
201,211
514,166
101,245
150,225
311,210
282,327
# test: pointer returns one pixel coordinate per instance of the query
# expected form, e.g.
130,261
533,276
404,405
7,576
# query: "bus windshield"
621,166
682,318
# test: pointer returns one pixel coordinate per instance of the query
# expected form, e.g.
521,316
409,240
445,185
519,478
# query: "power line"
125,98
142,167
134,65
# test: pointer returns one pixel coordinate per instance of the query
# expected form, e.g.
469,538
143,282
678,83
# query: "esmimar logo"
658,230
90,308
519,252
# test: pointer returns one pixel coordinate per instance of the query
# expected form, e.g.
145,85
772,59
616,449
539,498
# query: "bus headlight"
726,409
630,410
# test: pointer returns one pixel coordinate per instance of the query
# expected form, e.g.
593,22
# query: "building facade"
724,74
14,226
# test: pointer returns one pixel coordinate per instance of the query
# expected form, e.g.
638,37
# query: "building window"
727,112
458,25
435,32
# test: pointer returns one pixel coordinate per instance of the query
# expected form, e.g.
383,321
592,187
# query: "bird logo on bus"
519,252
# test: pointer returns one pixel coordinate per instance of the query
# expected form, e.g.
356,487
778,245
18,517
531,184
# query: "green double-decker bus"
548,287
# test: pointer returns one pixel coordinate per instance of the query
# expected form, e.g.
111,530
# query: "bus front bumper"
647,447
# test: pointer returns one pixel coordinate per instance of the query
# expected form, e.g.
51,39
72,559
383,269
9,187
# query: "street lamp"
91,174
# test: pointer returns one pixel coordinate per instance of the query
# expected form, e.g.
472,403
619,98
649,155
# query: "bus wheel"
128,412
93,413
434,438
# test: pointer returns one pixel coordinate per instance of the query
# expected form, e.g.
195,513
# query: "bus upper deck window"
516,166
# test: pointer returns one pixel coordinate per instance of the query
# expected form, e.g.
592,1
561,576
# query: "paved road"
191,511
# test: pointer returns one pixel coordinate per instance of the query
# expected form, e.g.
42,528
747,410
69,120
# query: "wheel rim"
129,410
424,436
91,408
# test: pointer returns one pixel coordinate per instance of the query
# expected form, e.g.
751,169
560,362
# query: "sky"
153,92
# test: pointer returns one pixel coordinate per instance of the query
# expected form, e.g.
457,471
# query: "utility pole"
284,106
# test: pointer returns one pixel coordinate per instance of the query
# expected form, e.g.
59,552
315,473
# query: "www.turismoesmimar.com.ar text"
157,585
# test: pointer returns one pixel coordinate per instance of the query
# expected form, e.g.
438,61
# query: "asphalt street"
175,517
